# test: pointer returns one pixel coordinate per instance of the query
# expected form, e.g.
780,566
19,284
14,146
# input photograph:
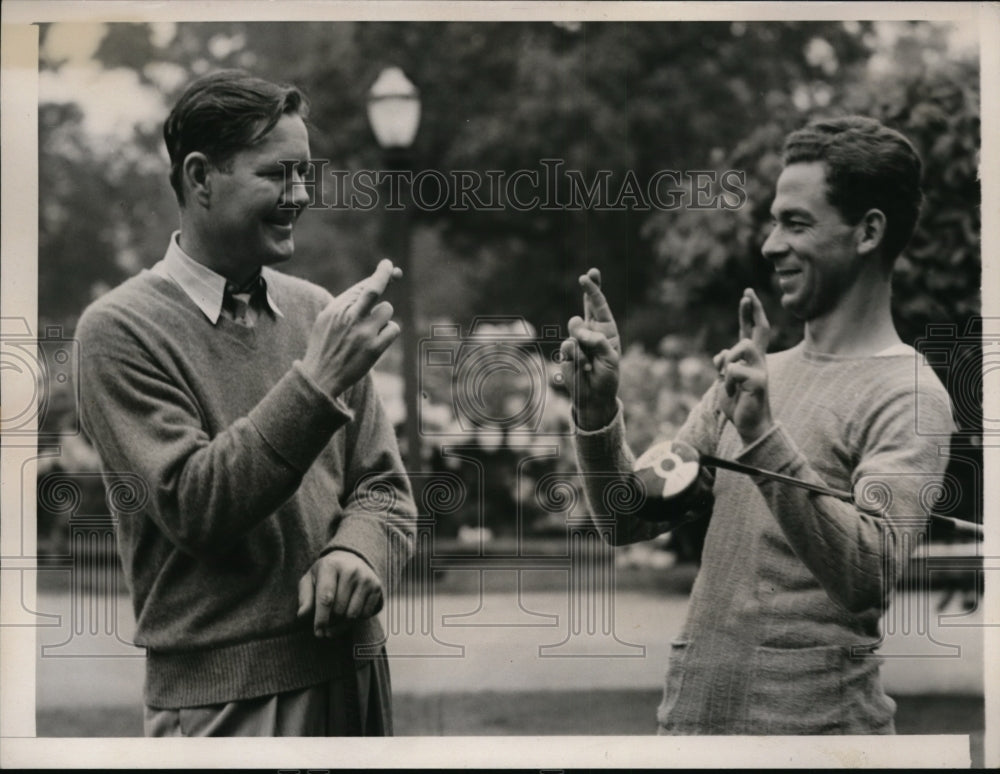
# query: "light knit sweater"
252,472
784,613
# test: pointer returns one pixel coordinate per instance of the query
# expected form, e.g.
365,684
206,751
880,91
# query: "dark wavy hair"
223,113
868,166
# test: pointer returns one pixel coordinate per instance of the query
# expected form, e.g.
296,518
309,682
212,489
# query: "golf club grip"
961,526
739,467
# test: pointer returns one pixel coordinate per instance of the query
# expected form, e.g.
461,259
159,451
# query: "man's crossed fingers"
595,334
596,311
753,321
359,299
739,365
584,341
374,286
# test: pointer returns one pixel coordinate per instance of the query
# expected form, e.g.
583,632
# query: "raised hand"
353,293
596,312
351,333
590,357
743,370
339,589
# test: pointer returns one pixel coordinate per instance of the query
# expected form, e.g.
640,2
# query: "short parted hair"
868,166
223,113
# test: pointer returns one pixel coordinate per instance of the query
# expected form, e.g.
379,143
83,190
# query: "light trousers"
341,707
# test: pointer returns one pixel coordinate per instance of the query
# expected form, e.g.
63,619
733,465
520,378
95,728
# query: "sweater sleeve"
203,491
378,519
857,552
604,458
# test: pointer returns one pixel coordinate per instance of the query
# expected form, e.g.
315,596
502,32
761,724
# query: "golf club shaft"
964,527
739,467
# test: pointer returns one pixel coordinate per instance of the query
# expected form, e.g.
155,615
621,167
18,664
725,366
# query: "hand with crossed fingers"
590,357
351,333
743,370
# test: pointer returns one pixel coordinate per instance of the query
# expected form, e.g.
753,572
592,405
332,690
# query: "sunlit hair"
868,166
223,113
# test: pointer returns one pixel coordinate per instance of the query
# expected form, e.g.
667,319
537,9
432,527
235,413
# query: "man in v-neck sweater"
243,399
784,614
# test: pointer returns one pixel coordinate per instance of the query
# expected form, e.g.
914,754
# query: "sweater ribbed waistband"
246,670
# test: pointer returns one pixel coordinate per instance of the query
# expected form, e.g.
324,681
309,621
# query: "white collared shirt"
202,285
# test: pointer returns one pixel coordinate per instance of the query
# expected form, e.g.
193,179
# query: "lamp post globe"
394,109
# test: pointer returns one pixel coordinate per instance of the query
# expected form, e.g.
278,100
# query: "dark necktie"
243,303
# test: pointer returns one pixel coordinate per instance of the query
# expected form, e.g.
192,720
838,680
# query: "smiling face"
814,251
254,202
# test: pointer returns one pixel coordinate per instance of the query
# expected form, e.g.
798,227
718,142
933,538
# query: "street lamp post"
394,116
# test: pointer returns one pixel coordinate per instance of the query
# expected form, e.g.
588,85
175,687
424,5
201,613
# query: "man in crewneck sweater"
784,615
243,399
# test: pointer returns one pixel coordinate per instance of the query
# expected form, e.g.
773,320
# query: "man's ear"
196,179
871,232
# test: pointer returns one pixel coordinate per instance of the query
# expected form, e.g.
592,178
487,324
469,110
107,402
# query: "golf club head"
668,470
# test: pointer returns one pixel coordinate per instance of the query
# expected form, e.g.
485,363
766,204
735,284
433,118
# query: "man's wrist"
596,418
751,435
329,385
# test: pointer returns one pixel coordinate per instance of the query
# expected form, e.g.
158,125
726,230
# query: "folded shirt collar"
202,285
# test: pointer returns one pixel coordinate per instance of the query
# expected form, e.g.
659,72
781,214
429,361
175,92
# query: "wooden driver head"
668,470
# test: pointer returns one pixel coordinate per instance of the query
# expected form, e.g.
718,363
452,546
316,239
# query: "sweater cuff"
367,539
774,451
596,447
296,418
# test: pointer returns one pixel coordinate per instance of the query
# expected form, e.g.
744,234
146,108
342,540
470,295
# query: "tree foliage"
615,96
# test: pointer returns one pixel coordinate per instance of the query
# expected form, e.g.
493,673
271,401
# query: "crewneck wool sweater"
784,614
251,472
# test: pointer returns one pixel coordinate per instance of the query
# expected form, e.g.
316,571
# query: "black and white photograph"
535,386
